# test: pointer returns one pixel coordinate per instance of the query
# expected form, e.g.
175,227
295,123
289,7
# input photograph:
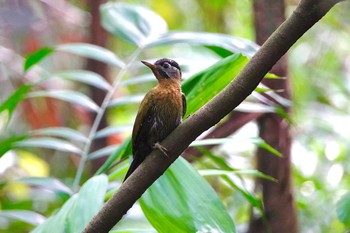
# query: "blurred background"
316,74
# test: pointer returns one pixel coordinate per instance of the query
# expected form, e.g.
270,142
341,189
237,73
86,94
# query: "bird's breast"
168,108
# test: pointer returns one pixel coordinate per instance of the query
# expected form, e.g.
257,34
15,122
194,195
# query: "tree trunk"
278,201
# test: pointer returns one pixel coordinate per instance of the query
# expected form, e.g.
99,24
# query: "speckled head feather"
167,60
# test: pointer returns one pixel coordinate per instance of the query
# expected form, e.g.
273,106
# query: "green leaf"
79,209
203,86
93,52
175,203
123,151
216,141
135,24
11,102
84,76
27,216
57,222
263,90
90,200
50,143
343,209
36,57
216,172
222,41
262,144
211,141
69,96
254,201
9,143
63,132
273,76
47,183
219,161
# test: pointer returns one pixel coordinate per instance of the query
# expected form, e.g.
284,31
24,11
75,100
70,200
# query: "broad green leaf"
84,76
36,57
126,100
50,143
343,209
219,51
262,144
27,216
135,24
223,41
78,210
93,52
120,171
182,201
69,96
9,143
52,184
203,86
90,200
111,130
57,222
63,132
11,102
103,152
122,151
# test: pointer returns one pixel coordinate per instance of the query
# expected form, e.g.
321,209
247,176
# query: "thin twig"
100,113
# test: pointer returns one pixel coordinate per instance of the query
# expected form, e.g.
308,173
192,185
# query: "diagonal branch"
303,18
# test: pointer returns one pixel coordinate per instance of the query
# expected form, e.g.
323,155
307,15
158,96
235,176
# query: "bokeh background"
317,73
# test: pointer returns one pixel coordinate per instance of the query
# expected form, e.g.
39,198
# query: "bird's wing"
144,121
184,104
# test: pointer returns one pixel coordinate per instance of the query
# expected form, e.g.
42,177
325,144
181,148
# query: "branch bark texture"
303,18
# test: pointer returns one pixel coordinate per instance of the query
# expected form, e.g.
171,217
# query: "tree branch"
303,18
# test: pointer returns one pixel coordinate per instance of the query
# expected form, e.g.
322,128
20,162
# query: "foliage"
214,61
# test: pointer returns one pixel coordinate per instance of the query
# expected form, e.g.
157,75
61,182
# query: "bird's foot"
161,148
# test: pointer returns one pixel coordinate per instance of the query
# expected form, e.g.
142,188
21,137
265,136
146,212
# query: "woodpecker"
160,112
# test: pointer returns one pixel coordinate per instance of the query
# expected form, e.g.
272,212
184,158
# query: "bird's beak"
150,65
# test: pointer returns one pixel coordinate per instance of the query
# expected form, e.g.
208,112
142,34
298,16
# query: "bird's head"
165,69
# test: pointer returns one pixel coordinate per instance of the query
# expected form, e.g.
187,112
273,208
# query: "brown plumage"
160,111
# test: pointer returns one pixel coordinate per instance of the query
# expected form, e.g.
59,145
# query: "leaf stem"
97,121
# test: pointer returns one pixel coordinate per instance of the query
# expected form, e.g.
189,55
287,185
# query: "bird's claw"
161,148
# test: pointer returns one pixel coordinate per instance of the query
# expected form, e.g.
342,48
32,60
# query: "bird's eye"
166,65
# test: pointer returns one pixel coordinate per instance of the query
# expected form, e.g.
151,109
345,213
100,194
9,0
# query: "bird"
160,111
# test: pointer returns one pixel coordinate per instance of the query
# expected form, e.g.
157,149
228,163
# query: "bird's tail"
135,163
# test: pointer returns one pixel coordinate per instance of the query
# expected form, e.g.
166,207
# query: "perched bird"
160,112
